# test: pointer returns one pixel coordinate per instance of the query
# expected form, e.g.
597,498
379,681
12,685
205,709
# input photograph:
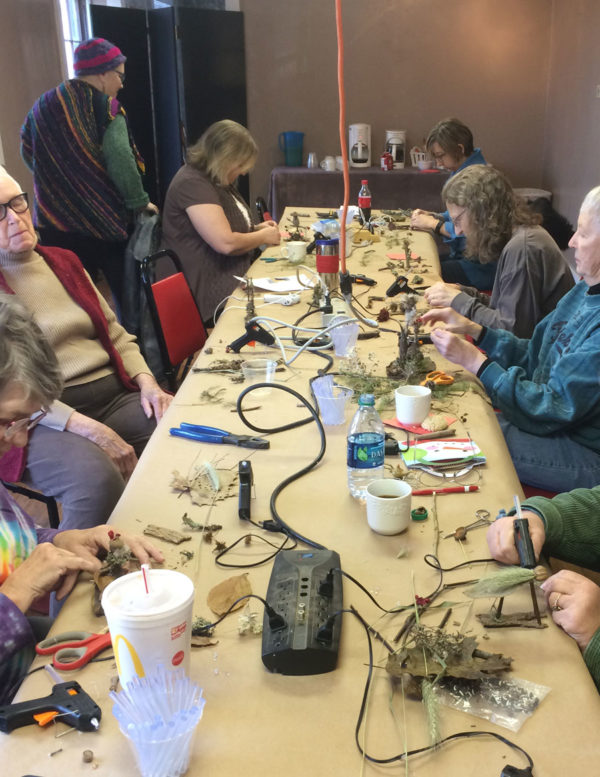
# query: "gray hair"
223,146
591,204
26,357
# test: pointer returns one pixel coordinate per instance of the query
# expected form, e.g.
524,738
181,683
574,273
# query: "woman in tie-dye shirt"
33,560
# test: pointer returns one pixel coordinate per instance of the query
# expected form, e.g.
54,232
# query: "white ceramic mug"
412,404
328,163
339,163
312,160
388,505
295,251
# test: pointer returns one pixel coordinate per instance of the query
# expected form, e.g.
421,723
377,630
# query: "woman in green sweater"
568,528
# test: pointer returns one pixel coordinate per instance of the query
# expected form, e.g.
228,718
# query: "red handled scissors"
73,649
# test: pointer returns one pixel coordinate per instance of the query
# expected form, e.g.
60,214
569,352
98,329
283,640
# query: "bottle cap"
367,399
364,182
419,514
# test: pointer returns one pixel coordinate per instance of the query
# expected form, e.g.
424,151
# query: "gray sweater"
531,277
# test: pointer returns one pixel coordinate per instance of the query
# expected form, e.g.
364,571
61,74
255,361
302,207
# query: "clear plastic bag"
506,701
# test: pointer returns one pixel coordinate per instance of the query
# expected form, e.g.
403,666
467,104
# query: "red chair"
175,316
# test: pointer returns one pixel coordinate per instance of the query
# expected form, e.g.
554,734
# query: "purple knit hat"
95,56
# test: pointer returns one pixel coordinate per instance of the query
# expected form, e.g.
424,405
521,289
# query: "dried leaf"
168,535
222,596
204,641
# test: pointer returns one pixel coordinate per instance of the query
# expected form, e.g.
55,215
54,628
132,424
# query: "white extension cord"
282,299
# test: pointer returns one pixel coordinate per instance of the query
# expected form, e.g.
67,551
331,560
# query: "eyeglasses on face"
457,219
19,204
13,428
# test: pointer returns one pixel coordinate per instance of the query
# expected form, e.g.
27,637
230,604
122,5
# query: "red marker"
447,490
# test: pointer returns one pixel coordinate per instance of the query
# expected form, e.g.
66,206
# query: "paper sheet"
280,284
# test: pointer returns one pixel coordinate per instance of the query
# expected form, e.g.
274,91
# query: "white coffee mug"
339,163
295,251
388,505
328,163
312,160
412,404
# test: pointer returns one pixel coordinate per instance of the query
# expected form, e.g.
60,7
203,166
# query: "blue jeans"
554,463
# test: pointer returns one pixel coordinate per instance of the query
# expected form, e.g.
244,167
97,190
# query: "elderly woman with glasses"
85,448
531,275
87,171
545,387
205,219
33,560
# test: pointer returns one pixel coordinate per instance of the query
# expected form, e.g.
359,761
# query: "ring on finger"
556,606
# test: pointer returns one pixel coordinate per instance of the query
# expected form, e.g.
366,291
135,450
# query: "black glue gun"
254,332
523,543
399,285
68,701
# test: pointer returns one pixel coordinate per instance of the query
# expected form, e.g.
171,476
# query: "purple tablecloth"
316,188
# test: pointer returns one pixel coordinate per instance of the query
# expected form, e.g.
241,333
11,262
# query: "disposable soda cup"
151,627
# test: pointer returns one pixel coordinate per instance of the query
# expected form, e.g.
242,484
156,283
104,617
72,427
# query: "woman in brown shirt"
205,219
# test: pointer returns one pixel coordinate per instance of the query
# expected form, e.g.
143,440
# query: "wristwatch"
438,227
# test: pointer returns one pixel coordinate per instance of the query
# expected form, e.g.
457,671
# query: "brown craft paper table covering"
256,723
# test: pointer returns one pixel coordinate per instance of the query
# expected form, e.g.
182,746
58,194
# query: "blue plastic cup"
291,145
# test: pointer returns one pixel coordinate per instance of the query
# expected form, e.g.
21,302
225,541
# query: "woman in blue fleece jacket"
547,388
451,145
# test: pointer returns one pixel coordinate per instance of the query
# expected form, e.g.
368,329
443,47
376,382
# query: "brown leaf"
204,641
222,596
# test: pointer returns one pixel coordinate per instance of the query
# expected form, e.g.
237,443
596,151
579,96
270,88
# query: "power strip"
306,594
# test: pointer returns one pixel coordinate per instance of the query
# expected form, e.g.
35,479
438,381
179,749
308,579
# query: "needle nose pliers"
218,436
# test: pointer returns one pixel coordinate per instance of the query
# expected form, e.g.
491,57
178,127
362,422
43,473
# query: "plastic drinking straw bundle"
158,714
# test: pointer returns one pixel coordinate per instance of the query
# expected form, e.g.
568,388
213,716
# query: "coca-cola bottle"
364,202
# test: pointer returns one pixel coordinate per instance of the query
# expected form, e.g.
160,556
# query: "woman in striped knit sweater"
87,172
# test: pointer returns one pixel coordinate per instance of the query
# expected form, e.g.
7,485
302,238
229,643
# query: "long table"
258,723
316,188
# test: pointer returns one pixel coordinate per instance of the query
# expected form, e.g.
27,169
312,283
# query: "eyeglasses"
121,76
19,204
457,219
13,428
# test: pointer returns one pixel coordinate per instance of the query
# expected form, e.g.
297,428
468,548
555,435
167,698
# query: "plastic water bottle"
364,201
366,442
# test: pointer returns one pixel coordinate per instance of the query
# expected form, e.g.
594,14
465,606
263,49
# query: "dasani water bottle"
366,442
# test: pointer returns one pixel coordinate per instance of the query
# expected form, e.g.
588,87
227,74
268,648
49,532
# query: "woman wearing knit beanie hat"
87,171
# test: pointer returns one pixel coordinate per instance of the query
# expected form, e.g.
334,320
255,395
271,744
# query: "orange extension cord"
343,142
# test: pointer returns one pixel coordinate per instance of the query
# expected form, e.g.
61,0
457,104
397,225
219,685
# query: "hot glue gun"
254,332
68,701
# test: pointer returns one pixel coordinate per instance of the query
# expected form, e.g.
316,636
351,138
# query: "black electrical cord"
279,548
275,619
314,416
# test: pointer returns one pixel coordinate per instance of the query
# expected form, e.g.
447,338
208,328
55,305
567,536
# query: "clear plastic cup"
259,371
332,400
344,336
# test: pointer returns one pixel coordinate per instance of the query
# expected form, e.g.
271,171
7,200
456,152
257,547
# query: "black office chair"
175,316
49,501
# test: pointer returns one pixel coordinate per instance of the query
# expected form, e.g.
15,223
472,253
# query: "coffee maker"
395,144
360,145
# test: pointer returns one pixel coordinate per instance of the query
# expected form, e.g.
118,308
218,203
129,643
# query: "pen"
446,490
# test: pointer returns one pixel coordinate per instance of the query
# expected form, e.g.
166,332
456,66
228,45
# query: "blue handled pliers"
219,436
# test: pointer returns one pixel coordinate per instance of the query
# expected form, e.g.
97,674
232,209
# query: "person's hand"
574,602
454,322
86,543
501,537
457,350
151,208
153,399
118,451
441,294
48,568
269,232
423,219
